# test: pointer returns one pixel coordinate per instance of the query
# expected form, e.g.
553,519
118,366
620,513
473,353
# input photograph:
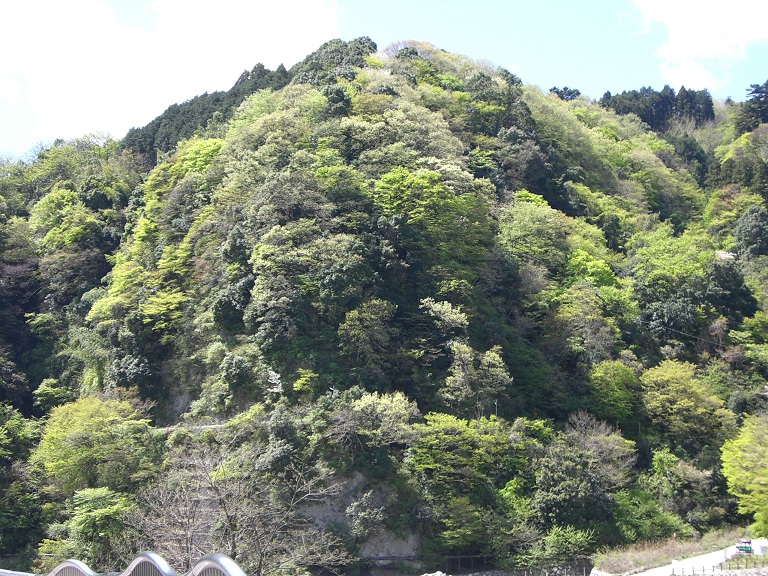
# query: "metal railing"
147,564
735,563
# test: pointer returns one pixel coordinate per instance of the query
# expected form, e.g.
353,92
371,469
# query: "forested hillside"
388,305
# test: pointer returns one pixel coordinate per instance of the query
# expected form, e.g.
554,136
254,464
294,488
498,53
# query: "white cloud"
704,37
107,65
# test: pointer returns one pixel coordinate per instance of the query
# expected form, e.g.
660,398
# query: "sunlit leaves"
535,233
745,465
681,406
91,443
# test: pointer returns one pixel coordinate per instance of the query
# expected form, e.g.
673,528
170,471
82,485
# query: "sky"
77,67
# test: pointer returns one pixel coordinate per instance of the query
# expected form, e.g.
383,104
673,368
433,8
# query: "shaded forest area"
387,303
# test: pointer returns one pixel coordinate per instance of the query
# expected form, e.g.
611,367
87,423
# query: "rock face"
384,546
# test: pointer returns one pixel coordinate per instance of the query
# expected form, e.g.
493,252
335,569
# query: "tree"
91,532
565,93
429,207
93,443
693,494
681,407
365,337
614,386
20,507
374,420
453,457
475,381
534,233
240,495
745,462
755,110
591,333
561,546
751,232
580,472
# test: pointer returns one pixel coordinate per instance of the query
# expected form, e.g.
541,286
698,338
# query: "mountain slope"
426,299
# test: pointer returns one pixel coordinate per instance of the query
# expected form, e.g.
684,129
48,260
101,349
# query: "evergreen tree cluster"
657,109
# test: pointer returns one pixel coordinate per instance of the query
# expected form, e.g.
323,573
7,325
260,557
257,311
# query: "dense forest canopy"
386,303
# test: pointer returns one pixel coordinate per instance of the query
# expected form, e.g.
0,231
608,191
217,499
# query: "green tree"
453,457
91,532
591,334
93,443
751,232
745,464
373,421
475,381
755,110
532,232
565,93
579,474
429,207
365,337
681,407
561,546
20,506
613,391
693,494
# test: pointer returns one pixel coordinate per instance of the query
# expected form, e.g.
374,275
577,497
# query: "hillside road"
699,563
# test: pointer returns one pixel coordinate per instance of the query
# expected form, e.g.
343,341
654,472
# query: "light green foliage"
597,272
591,334
525,196
672,193
383,419
454,458
196,155
682,408
450,319
91,532
534,232
687,491
51,393
557,127
750,144
93,443
562,545
418,196
659,256
307,101
49,211
463,529
639,516
405,136
16,434
299,269
725,209
60,220
745,465
613,389
429,206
